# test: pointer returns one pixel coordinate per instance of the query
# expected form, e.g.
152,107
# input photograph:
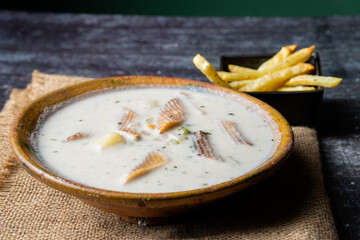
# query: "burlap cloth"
292,204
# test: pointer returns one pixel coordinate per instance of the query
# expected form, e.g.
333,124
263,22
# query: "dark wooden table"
109,45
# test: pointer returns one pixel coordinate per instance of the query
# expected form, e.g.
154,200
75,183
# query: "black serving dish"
300,108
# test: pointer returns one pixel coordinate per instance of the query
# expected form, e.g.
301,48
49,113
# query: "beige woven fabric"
292,204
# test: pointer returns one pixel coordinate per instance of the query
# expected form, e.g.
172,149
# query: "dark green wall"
194,8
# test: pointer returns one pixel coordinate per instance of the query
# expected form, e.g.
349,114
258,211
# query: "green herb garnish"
183,130
148,121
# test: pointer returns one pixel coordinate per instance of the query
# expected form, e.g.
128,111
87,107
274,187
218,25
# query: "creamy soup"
200,151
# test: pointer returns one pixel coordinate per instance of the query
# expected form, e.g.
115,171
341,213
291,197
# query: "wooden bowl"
149,208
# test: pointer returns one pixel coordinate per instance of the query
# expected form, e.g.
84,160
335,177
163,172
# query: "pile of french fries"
287,70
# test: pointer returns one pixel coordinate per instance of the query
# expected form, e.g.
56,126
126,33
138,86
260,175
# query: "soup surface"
70,139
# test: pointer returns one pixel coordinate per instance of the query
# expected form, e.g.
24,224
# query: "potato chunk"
110,139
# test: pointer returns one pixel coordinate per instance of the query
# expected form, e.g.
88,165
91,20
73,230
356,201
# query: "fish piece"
184,93
172,115
110,139
152,160
203,146
230,128
77,136
125,125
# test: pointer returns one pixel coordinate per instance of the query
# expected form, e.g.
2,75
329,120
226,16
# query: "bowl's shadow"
276,200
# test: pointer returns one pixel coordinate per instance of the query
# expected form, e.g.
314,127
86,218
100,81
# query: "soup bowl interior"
152,208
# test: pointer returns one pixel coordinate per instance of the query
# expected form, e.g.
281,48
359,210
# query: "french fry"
285,71
208,70
273,81
239,84
110,139
281,55
300,56
297,88
244,75
313,80
237,68
292,47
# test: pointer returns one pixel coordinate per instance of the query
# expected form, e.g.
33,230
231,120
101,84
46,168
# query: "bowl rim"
24,155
